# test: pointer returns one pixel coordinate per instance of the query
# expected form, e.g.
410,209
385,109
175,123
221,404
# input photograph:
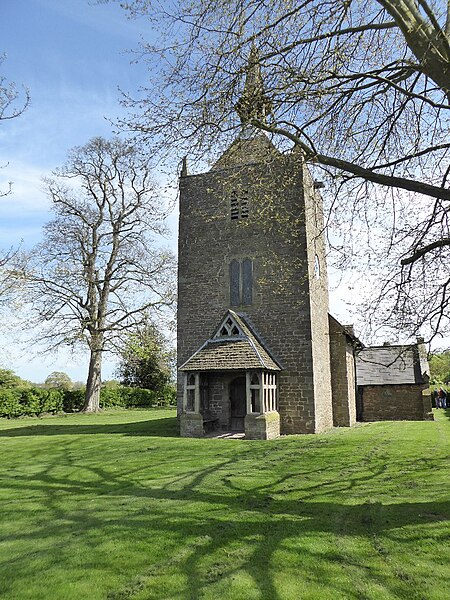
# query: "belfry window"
241,282
239,205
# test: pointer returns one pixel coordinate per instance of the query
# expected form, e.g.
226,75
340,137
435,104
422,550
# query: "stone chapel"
258,352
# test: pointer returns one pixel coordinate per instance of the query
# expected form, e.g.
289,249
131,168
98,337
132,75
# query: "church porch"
230,403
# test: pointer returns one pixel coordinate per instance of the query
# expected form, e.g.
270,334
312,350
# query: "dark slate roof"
384,365
238,352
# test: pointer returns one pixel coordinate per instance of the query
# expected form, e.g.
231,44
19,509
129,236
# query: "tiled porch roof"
234,353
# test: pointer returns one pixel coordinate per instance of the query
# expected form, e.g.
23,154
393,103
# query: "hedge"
30,401
122,397
36,401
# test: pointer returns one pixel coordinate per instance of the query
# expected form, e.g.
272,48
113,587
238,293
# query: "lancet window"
241,282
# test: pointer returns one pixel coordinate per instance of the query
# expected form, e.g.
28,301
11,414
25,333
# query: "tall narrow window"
247,281
255,393
190,392
241,282
235,283
316,267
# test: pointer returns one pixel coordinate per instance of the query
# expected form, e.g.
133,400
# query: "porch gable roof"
238,352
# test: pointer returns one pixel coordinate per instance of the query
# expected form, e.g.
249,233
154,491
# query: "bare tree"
13,102
361,87
99,271
12,274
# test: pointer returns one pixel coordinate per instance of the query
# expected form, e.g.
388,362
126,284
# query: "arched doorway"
238,403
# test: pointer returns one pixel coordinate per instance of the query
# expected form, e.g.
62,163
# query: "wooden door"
238,404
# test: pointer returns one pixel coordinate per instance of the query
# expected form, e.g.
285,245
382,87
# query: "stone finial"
184,167
253,104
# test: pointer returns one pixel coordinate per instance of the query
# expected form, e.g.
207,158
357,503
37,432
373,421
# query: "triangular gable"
229,327
247,150
233,346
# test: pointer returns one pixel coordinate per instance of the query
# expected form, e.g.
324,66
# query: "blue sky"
72,55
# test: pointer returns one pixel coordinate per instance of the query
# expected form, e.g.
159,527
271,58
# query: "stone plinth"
191,425
262,427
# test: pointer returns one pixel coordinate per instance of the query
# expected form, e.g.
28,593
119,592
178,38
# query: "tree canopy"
8,379
147,360
59,380
440,367
362,88
101,266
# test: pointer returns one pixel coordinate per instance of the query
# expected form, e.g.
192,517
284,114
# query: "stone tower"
253,337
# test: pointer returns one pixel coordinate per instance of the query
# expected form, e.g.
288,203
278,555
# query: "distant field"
116,506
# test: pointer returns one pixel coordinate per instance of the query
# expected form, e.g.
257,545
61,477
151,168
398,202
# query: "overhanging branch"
404,183
424,250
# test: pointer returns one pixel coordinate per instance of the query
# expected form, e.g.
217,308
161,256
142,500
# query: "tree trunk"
94,381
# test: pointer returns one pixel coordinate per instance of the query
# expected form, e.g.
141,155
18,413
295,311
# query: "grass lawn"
116,506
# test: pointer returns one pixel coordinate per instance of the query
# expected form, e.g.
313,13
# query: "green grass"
116,506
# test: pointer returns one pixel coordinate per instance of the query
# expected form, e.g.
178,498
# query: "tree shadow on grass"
165,427
217,526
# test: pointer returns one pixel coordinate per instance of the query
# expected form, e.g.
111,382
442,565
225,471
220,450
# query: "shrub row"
36,401
32,401
122,397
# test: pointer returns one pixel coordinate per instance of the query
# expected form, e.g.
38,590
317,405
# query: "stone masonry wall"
274,237
393,403
318,298
351,385
219,405
342,377
262,427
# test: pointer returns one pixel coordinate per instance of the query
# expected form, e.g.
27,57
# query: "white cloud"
27,196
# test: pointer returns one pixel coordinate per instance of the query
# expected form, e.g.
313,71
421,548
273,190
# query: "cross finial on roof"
253,104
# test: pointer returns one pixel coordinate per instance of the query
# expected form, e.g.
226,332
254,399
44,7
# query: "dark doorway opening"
238,404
